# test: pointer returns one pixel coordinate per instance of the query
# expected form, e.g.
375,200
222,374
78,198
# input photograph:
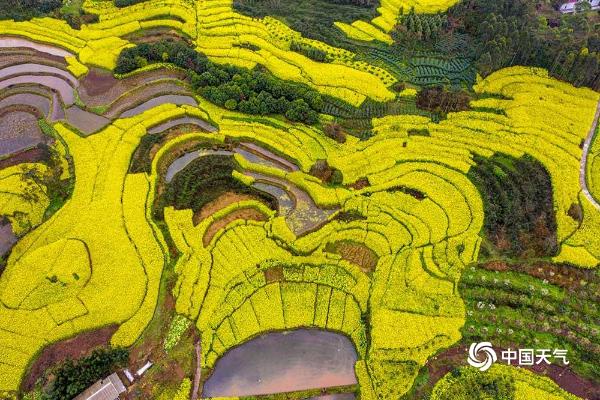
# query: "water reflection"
283,362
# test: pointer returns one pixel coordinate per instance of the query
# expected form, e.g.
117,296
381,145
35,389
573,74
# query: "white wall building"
106,389
571,6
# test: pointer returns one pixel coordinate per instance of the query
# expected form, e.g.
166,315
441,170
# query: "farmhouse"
571,5
106,389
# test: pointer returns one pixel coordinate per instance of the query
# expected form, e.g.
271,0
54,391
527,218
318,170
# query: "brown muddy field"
100,88
221,202
158,100
562,275
74,348
28,156
143,94
10,57
356,253
244,214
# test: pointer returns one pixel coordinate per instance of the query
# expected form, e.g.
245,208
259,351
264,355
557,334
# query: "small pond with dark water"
282,362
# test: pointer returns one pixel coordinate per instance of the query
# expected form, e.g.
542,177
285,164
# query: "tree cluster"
519,218
314,19
419,27
21,10
504,33
514,32
326,173
76,20
470,384
441,100
249,91
202,181
72,377
334,131
141,160
125,3
360,3
57,190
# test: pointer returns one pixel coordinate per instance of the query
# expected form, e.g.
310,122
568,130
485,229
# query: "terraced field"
132,198
590,171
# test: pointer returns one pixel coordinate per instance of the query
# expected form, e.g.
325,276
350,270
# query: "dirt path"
586,149
198,374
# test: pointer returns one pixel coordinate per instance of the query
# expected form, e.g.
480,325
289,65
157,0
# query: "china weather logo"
482,355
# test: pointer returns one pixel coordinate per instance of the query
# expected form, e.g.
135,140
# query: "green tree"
231,104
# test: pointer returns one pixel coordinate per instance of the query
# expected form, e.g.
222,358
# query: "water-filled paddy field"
283,362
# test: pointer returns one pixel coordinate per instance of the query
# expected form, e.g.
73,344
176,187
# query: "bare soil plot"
100,88
9,57
28,156
145,94
221,202
356,253
563,275
244,214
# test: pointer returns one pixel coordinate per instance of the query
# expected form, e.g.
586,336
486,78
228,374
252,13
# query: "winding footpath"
198,374
583,168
